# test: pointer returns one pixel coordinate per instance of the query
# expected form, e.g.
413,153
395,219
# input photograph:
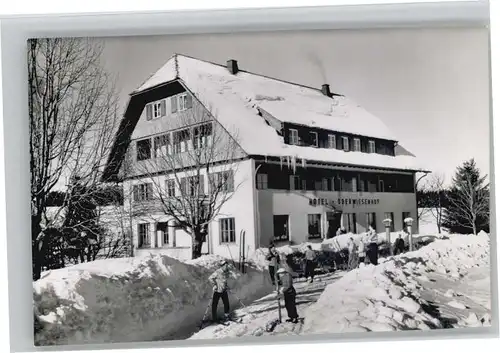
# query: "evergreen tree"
81,226
469,201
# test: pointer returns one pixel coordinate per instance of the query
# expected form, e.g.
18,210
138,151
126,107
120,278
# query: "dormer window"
294,137
357,145
314,138
332,142
371,146
345,143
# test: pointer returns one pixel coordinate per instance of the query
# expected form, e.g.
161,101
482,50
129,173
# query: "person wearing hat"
219,281
289,293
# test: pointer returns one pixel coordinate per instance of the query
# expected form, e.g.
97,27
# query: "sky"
429,86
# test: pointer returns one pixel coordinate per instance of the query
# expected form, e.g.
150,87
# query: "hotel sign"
344,201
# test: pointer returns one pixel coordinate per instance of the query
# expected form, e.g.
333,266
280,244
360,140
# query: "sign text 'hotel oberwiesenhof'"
344,201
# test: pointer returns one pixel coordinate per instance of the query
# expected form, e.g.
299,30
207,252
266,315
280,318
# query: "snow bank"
132,299
388,297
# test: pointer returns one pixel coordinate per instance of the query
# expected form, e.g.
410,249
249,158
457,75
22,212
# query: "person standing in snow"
352,262
372,246
219,281
285,274
340,231
361,252
310,256
274,259
399,245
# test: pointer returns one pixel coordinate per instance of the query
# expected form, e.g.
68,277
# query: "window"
390,215
181,102
165,237
162,145
143,192
345,143
318,185
202,136
351,222
143,149
325,184
294,137
262,182
371,220
297,183
222,181
314,138
332,141
227,230
337,183
354,184
193,186
280,224
170,188
155,110
314,226
381,187
181,139
144,236
371,146
357,145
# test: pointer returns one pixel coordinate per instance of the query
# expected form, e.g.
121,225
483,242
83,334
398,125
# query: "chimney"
325,89
232,66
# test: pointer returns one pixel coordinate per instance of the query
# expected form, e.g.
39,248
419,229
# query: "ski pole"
205,314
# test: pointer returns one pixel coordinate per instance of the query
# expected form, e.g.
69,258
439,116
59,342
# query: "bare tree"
437,193
72,115
190,173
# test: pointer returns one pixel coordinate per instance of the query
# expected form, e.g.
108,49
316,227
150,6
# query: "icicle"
281,162
294,164
303,163
265,158
288,162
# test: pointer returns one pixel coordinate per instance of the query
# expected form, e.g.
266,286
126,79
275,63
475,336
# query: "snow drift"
132,299
392,295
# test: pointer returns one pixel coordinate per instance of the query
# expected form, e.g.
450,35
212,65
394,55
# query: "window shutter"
202,185
149,111
163,108
292,182
173,103
189,101
135,193
183,186
150,191
230,181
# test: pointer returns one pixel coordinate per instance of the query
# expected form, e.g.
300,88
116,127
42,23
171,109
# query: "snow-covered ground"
427,222
442,285
132,299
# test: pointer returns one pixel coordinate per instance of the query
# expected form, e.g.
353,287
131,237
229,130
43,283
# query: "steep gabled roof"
234,100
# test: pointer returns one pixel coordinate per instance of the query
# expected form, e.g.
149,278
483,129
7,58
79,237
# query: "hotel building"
308,160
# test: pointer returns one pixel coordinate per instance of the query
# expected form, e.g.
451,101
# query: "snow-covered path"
256,315
445,284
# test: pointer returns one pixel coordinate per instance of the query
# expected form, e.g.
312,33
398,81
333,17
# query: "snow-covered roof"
285,101
234,100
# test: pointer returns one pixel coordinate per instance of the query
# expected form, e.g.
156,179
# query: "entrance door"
333,219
